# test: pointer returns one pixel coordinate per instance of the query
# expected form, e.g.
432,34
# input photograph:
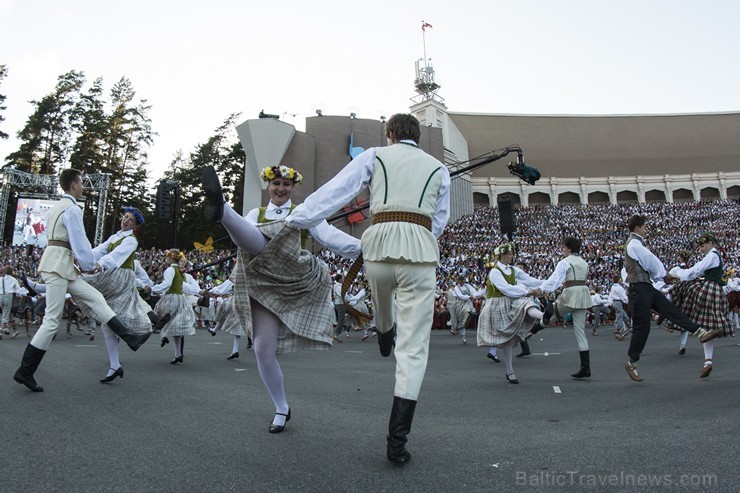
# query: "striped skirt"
705,303
229,320
182,319
292,284
118,287
503,319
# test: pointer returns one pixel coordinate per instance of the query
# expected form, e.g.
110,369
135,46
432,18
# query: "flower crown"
502,249
273,172
706,238
136,212
174,254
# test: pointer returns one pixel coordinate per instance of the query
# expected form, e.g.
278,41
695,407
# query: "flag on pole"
425,25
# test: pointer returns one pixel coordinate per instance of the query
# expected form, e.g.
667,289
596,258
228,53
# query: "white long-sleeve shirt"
464,291
113,259
647,259
189,285
333,238
81,248
524,282
10,286
617,293
710,261
348,183
557,278
142,278
224,288
352,300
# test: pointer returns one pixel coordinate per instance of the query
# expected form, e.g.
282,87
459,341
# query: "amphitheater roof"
608,145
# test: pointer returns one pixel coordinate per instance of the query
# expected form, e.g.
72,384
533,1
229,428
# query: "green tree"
3,74
46,137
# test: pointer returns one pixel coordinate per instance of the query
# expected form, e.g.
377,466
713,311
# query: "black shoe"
29,364
547,314
489,355
176,360
249,343
511,380
279,428
116,373
525,350
162,322
164,341
386,341
214,210
399,425
234,355
585,370
212,332
132,339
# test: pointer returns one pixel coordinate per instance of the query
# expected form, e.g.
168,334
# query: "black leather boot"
402,414
548,313
585,370
157,321
29,364
525,349
214,210
133,340
386,341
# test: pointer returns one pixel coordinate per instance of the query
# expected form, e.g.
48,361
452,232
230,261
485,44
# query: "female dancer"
703,300
509,311
283,294
174,301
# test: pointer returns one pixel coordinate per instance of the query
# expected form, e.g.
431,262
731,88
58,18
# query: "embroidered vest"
635,272
715,273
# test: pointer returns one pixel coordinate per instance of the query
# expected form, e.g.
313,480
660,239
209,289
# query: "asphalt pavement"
202,425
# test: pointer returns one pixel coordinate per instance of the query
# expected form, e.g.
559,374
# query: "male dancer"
409,200
642,267
67,242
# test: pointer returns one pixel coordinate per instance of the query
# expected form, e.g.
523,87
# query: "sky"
198,62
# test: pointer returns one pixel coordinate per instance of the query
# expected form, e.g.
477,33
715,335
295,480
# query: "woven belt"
571,283
63,244
403,217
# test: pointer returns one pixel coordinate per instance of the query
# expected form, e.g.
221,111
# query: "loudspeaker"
506,215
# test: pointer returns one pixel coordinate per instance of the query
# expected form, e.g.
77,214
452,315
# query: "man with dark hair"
67,242
643,267
409,200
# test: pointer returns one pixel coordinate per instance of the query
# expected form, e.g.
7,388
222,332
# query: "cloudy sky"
196,62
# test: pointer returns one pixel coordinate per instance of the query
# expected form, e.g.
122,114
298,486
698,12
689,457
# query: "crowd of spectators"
466,245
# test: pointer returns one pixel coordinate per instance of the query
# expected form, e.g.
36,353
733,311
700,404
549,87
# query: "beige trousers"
411,287
579,324
56,288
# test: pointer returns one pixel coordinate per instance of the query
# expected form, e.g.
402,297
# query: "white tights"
111,343
235,348
265,327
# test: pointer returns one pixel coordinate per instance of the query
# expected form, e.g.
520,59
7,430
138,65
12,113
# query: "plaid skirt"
118,287
229,320
705,303
503,319
292,284
182,319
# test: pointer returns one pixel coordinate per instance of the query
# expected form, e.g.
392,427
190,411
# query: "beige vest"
635,272
405,178
55,258
577,297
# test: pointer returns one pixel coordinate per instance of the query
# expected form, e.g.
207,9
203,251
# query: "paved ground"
202,425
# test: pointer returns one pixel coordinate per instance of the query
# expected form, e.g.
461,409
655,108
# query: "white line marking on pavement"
240,369
357,352
556,389
214,343
86,345
547,354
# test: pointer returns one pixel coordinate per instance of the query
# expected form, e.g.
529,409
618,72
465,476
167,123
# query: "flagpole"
424,41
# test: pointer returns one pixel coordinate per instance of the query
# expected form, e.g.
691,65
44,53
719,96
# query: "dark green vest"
262,219
715,273
129,262
176,287
492,291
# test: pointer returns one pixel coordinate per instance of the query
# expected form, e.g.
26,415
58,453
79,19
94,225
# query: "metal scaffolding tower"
46,186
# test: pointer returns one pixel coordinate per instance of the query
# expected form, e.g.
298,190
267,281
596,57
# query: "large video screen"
32,221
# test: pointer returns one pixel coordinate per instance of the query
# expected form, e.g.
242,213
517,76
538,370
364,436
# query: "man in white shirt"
409,200
618,300
67,243
643,267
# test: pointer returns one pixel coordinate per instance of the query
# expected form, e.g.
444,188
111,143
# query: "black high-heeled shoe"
279,428
511,380
164,341
214,210
116,373
233,355
176,360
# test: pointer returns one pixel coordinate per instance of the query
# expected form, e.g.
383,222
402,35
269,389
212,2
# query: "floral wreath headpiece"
137,214
273,172
706,238
503,249
174,254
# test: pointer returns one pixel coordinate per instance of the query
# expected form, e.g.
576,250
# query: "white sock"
111,343
235,348
708,349
507,350
176,345
492,352
684,338
266,327
535,313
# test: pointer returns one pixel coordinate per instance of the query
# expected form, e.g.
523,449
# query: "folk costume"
409,201
509,312
281,291
10,289
618,300
642,267
67,242
174,290
460,305
227,319
701,297
571,273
